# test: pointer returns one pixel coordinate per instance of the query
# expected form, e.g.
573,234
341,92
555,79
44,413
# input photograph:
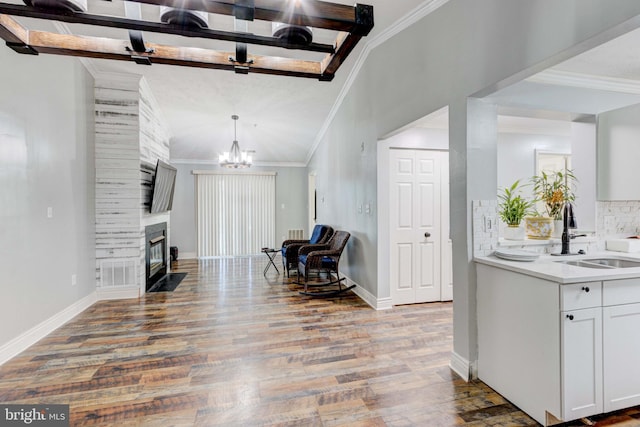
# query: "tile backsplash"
617,219
614,219
485,226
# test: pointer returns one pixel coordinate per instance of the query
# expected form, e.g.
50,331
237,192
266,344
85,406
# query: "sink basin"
615,262
586,264
603,263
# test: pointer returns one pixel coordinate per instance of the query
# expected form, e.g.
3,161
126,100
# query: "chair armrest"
306,249
291,241
323,253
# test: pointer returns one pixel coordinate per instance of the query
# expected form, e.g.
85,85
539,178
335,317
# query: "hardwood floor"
230,348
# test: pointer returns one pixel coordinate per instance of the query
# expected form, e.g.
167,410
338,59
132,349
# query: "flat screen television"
164,183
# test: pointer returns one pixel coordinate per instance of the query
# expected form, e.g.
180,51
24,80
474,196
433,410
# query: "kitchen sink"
615,262
586,264
603,263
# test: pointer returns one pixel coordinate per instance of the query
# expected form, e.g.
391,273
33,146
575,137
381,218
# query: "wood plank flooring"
231,348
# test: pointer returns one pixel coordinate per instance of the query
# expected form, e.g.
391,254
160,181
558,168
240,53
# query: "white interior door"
416,218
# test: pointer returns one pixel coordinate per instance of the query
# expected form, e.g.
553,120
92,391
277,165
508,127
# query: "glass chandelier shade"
234,158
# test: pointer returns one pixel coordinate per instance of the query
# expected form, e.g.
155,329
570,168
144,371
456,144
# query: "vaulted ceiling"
281,117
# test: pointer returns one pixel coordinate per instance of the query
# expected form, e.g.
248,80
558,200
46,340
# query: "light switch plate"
489,223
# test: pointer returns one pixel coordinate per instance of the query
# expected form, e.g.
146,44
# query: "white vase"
514,232
558,226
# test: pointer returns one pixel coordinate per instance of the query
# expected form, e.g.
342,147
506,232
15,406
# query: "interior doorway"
420,267
419,270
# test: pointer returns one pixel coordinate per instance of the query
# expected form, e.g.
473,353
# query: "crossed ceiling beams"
351,22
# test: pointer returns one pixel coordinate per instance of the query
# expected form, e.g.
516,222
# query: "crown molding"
401,24
586,81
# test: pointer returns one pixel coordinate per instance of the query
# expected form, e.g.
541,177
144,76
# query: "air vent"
117,273
296,234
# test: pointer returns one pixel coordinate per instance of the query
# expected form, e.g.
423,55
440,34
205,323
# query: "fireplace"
156,253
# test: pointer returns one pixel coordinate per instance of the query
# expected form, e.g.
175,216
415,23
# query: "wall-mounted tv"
164,183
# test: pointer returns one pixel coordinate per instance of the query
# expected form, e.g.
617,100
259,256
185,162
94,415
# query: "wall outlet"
49,212
74,279
489,223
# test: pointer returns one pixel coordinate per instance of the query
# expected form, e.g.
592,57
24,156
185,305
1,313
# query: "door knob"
427,234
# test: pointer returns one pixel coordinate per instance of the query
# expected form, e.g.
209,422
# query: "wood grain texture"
231,348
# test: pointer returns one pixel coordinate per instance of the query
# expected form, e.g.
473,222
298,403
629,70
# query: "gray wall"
517,156
46,160
459,50
618,153
291,191
516,160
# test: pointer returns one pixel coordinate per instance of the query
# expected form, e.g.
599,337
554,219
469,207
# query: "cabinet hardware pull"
427,234
585,288
570,316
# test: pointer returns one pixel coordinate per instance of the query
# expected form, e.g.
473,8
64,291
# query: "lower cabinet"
560,352
621,356
581,363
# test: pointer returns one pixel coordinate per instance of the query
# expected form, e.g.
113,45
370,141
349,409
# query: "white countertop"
547,267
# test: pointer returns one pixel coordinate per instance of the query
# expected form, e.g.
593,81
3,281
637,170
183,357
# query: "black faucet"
568,221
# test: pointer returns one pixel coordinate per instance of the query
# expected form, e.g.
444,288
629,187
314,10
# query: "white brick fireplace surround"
130,138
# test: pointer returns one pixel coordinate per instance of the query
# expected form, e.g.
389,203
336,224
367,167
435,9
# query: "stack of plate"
516,255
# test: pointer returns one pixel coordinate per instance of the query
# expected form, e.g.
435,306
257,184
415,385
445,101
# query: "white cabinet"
621,348
581,349
559,352
581,362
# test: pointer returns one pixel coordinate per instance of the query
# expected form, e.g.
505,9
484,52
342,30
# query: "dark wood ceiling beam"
156,27
346,43
11,31
96,47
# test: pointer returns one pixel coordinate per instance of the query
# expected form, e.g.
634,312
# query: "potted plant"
554,190
512,209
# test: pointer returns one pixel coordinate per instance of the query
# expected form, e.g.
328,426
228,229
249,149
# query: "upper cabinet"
618,152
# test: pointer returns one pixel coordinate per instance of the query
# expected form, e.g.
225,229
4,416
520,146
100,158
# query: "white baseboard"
368,297
38,332
187,255
460,366
124,292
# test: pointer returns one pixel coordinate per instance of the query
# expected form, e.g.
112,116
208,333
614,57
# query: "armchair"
321,235
323,258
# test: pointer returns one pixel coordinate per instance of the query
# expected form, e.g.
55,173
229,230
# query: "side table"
271,254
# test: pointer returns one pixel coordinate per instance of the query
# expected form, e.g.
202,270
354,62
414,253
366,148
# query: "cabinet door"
581,335
621,356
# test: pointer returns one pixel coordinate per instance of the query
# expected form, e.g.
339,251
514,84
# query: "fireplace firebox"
156,253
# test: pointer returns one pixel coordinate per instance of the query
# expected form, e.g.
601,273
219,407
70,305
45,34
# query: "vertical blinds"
235,213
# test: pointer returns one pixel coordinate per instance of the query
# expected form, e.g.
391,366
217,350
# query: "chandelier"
234,158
